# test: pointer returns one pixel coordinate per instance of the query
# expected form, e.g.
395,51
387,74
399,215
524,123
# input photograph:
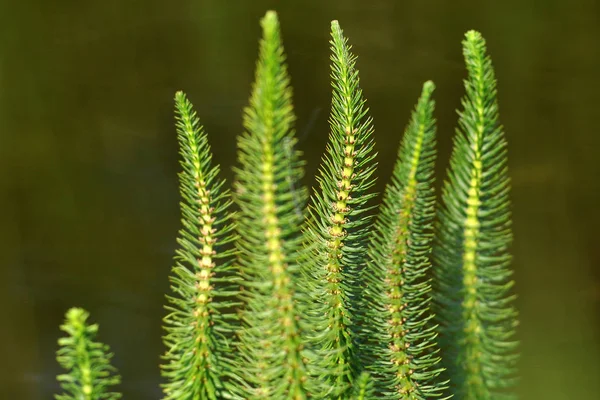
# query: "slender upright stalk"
398,325
337,233
199,324
474,305
268,192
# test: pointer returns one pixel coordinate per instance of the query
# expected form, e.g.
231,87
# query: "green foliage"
276,299
90,376
199,321
268,193
363,387
474,307
397,326
337,232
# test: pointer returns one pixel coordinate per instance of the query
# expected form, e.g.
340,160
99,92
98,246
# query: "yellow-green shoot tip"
428,86
270,21
76,313
473,36
335,27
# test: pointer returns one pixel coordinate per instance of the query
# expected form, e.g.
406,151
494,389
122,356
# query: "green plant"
278,296
268,194
203,281
400,335
90,375
475,309
338,226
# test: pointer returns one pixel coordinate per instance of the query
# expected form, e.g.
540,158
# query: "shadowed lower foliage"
363,388
274,298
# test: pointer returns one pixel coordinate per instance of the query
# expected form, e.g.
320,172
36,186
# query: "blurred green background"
88,156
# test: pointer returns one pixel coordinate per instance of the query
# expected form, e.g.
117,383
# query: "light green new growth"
198,325
338,225
90,376
268,193
398,326
474,306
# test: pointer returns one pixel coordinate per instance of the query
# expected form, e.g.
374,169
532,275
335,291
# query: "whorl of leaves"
199,324
90,376
474,305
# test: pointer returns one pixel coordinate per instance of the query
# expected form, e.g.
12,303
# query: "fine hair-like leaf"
199,324
90,375
337,232
271,200
398,326
474,305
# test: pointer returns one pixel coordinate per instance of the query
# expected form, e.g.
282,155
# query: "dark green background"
88,156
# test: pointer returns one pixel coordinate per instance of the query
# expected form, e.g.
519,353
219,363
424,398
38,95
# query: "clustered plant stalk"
282,293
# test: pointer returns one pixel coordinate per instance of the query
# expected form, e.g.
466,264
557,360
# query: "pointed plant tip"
270,22
180,99
473,36
428,87
271,14
76,313
336,29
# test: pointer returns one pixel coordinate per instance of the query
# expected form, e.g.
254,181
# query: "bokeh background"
88,156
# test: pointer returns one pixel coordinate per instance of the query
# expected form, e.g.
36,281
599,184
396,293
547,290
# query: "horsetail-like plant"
271,201
338,227
90,375
398,329
274,299
474,306
199,323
